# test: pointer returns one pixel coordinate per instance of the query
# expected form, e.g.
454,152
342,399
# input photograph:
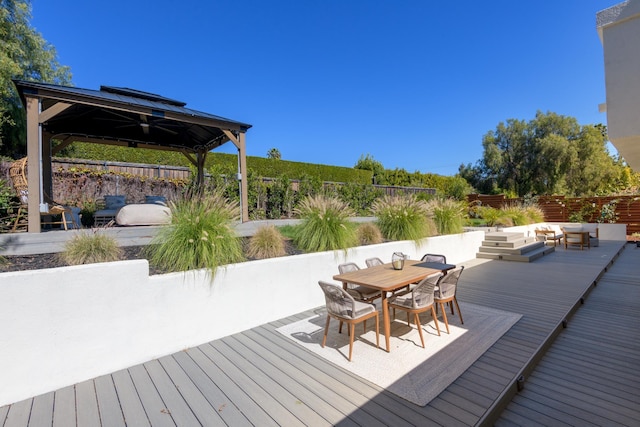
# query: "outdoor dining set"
413,286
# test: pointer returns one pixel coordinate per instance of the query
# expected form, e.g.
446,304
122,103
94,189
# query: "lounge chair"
69,216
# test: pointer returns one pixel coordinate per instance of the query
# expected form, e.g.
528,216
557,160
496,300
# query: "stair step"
526,257
518,250
500,236
510,243
509,246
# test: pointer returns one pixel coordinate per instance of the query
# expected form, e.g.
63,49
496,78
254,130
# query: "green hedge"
267,168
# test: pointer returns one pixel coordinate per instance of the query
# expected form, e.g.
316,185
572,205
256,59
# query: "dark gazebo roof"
130,116
118,116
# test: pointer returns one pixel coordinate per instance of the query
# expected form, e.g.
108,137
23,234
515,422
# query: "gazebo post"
244,185
33,164
201,157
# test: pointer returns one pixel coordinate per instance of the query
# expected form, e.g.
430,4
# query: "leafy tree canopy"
550,154
274,153
24,55
367,162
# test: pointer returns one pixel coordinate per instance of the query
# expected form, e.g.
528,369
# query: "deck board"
130,404
87,404
225,410
18,414
587,375
171,395
155,408
42,410
64,407
108,403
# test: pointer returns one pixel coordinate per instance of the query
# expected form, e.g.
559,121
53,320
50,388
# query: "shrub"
448,215
91,247
403,218
267,242
201,235
368,233
325,224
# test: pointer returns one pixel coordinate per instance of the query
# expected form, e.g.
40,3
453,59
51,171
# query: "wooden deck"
588,376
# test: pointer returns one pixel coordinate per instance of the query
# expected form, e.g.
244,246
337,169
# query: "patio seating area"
261,377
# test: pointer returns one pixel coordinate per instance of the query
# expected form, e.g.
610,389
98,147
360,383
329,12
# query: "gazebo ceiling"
129,117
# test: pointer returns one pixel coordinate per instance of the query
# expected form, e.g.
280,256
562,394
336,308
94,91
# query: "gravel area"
41,261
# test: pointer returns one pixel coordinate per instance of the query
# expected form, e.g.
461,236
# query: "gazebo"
118,116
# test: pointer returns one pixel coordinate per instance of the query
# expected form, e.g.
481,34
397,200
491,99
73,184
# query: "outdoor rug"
414,373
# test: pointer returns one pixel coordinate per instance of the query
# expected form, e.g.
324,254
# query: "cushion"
73,217
114,202
573,229
158,200
143,214
591,228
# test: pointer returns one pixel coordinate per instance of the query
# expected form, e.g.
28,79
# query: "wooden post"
244,185
33,164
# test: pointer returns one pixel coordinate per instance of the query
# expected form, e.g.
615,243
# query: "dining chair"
419,300
343,307
361,293
435,258
446,293
372,262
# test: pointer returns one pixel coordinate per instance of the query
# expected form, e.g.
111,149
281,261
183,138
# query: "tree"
551,154
24,55
370,164
274,153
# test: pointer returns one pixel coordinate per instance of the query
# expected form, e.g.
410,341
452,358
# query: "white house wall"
619,29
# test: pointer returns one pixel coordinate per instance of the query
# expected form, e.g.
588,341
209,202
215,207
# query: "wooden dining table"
386,279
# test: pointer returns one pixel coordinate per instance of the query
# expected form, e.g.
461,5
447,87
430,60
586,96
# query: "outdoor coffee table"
386,279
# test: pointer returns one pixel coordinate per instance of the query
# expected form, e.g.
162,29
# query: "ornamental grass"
91,247
448,215
369,234
403,217
267,242
201,235
325,224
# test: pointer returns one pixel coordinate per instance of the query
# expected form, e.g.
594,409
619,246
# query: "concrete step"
500,236
526,257
518,250
514,243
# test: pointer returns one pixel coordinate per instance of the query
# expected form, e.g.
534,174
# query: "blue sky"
414,83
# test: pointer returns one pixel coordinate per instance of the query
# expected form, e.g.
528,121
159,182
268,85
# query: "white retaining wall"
605,231
65,325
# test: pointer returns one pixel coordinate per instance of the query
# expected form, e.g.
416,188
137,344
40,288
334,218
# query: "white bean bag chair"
143,214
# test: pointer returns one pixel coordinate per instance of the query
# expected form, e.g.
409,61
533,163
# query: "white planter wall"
65,325
605,231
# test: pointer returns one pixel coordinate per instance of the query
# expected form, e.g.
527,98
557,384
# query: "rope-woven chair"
372,262
361,293
18,175
446,293
343,307
435,258
419,300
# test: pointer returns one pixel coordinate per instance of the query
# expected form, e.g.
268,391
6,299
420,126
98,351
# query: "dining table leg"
385,320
